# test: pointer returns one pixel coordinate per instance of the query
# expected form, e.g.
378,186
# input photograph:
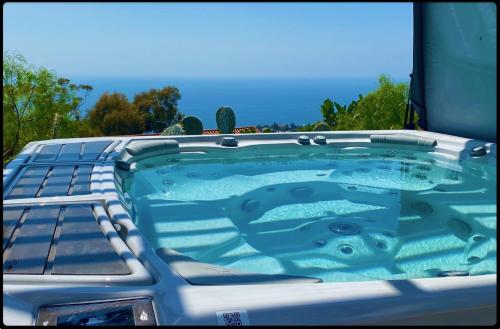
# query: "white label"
233,318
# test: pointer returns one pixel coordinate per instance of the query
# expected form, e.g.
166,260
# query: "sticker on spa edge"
233,318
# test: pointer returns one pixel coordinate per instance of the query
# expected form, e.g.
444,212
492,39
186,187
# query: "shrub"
249,130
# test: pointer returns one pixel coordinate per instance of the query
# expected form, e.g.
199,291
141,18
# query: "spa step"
83,151
57,240
198,273
49,181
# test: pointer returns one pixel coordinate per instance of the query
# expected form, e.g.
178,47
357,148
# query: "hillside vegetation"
39,105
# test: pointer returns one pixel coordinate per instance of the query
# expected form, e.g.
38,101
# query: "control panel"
124,312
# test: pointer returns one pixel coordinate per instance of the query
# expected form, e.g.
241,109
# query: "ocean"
254,101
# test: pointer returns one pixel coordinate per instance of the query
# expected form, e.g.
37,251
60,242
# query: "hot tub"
371,227
348,213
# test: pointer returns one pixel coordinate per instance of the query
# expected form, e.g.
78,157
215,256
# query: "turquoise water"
349,214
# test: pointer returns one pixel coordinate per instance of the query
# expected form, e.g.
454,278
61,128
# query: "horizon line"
376,76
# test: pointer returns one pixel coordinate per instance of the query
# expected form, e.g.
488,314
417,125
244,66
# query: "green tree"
328,112
159,108
347,118
70,125
383,108
114,115
37,105
122,123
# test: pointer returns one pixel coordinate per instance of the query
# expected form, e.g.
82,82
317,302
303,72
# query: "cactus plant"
321,126
226,120
192,125
174,130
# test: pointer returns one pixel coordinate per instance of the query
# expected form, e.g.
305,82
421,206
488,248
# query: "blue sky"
315,40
